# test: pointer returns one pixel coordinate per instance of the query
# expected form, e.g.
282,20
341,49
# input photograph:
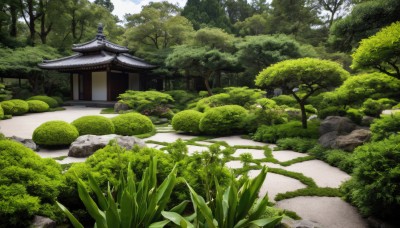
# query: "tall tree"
303,78
106,4
31,13
336,8
253,26
237,10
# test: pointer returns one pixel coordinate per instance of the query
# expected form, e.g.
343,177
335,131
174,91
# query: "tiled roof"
97,45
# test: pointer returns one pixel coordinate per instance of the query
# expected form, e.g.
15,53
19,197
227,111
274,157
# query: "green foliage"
37,106
285,100
58,99
309,182
212,101
4,93
1,112
147,102
355,115
49,100
181,98
224,120
265,112
131,204
374,108
338,158
20,107
291,129
55,133
7,107
187,121
374,187
331,111
380,51
231,207
297,144
29,185
132,124
94,125
328,192
386,126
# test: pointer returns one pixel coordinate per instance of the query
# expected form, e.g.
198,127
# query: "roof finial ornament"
100,35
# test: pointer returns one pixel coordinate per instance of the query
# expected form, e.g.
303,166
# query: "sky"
122,7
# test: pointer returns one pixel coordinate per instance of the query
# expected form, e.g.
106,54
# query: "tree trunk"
303,115
14,19
206,83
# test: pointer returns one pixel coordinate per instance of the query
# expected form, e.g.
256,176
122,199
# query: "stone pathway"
329,212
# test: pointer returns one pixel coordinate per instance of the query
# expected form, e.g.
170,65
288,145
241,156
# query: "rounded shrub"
374,187
94,125
7,107
20,107
385,127
29,185
132,124
58,99
224,120
50,101
1,113
331,111
285,100
374,108
55,133
187,121
37,106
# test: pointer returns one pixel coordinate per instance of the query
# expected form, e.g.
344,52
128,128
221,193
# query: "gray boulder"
342,125
351,141
120,107
328,140
367,120
42,222
86,145
26,142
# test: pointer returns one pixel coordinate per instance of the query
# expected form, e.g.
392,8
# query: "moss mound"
94,125
50,101
20,107
224,120
55,133
37,106
132,124
187,121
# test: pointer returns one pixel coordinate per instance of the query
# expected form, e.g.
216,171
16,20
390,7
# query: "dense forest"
226,43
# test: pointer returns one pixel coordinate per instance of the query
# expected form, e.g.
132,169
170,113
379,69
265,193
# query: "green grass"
108,111
314,191
309,182
296,160
60,158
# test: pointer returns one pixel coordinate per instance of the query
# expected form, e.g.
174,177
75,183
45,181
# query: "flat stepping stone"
169,137
45,153
329,212
287,155
276,183
234,164
192,149
323,174
257,154
69,160
236,141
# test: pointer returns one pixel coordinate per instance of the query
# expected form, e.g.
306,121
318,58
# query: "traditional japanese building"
101,70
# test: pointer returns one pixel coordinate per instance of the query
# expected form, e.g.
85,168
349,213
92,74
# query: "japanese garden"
200,113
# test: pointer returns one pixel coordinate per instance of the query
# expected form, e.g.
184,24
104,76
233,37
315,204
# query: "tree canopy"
303,78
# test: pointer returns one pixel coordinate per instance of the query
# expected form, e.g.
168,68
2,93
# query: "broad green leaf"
177,219
180,208
268,222
160,224
127,210
101,199
199,203
112,214
71,218
91,206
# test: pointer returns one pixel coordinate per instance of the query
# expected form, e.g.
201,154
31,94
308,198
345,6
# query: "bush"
285,100
354,115
145,100
20,107
338,158
132,124
182,98
374,187
7,107
212,102
265,112
297,144
291,129
48,100
58,99
1,113
224,120
94,125
385,127
187,121
37,106
331,111
29,185
243,96
55,133
374,108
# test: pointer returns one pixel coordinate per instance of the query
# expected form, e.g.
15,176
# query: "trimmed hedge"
37,106
94,125
187,121
224,120
7,107
132,124
20,107
55,133
50,101
29,185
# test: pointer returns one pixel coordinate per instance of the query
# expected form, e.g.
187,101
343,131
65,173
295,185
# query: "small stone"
120,107
26,142
42,222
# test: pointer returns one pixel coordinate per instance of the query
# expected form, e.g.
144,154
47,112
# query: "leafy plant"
231,207
385,127
130,203
374,108
94,125
297,144
145,101
287,130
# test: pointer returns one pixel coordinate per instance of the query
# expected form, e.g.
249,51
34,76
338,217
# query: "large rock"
120,107
342,125
26,142
351,141
328,140
86,145
42,222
